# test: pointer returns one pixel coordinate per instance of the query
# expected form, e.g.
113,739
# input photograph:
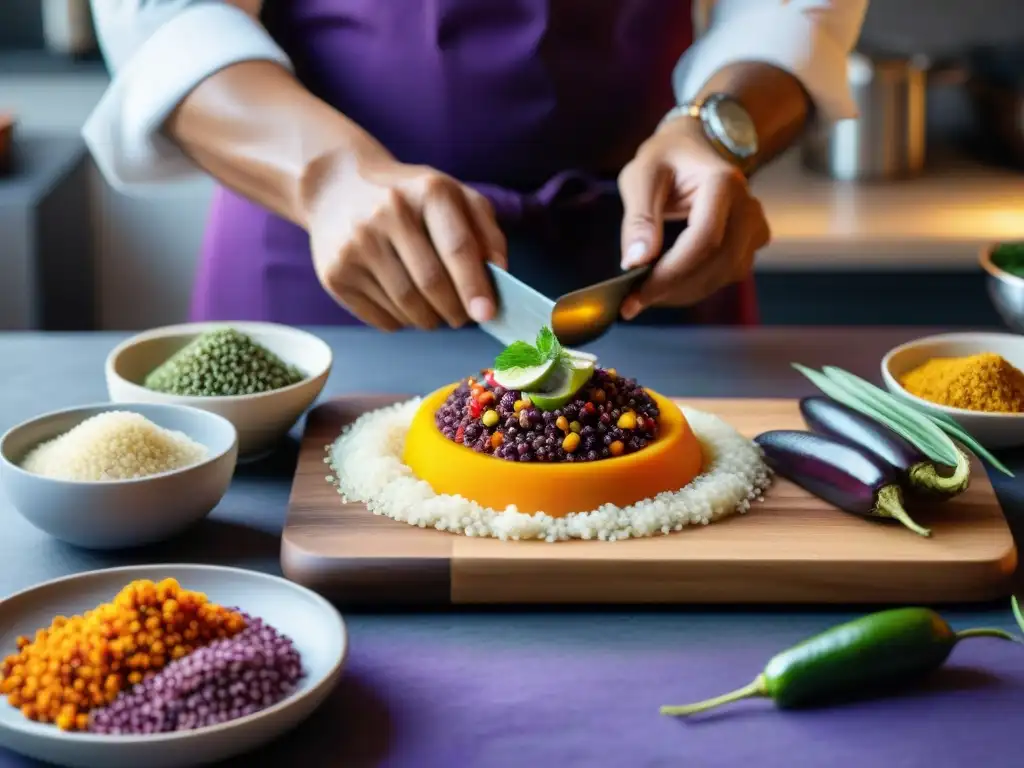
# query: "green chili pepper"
887,647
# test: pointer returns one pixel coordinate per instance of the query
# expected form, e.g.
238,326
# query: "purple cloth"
583,691
537,103
567,691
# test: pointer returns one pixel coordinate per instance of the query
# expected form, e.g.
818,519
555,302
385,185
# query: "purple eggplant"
838,472
918,474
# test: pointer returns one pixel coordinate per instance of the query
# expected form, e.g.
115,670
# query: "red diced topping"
460,434
475,408
489,378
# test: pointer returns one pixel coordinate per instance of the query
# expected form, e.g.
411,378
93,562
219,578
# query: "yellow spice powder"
982,382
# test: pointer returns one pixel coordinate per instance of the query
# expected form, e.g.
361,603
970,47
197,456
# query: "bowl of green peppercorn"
259,376
1004,267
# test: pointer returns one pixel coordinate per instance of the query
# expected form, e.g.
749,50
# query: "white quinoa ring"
366,464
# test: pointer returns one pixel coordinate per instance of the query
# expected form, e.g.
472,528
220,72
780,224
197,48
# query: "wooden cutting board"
790,548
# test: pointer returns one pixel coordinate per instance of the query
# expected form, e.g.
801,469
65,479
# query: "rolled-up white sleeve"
158,51
810,39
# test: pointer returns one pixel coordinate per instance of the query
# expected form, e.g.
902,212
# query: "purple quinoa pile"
610,416
223,681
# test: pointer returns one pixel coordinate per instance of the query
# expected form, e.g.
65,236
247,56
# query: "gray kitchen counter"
553,687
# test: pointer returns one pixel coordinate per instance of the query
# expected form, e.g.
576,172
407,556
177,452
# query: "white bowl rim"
28,726
988,263
952,336
107,407
184,329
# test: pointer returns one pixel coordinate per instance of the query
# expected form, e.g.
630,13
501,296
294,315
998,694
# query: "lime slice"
568,378
530,377
578,354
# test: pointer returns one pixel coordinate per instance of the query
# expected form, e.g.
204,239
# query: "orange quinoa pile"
83,662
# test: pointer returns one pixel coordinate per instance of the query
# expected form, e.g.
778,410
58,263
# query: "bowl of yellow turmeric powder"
977,379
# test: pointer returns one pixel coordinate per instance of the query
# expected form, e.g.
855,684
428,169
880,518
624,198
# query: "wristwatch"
727,126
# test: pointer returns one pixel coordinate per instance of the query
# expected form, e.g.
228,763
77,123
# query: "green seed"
222,363
490,417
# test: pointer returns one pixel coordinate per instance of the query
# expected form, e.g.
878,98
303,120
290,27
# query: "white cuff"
786,37
123,132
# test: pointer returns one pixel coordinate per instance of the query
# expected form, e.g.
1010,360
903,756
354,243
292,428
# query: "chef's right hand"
402,245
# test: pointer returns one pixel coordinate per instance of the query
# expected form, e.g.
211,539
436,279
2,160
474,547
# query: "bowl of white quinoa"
113,476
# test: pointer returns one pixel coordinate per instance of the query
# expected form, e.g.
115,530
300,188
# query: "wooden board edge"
810,582
442,582
375,581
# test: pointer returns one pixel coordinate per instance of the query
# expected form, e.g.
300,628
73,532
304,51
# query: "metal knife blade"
522,310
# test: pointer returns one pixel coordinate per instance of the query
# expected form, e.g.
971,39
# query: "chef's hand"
677,175
403,245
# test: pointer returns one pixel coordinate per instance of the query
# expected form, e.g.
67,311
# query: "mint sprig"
547,344
522,354
518,354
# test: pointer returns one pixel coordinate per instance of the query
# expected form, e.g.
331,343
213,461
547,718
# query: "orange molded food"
667,464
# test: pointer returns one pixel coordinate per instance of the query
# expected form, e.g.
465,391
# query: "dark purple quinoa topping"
609,416
222,681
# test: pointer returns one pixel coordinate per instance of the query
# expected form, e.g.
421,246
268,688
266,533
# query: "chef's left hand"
677,175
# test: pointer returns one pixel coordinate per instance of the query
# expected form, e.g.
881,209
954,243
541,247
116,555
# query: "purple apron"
536,103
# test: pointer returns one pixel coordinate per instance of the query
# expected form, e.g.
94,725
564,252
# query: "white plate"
992,430
312,623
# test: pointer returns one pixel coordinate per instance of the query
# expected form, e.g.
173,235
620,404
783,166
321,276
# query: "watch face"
732,125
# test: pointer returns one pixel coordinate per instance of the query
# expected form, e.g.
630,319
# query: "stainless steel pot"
67,27
887,140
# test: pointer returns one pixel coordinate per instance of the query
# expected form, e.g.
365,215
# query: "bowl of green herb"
1004,265
259,376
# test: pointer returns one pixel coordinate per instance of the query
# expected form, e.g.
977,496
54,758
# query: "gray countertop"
397,707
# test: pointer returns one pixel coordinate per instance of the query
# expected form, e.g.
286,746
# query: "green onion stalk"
933,434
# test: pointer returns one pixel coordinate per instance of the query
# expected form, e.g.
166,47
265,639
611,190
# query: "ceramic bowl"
1006,291
120,513
312,623
992,430
261,419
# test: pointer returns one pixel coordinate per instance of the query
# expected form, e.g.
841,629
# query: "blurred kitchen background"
881,233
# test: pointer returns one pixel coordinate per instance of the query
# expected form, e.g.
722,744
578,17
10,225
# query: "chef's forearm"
256,129
775,99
